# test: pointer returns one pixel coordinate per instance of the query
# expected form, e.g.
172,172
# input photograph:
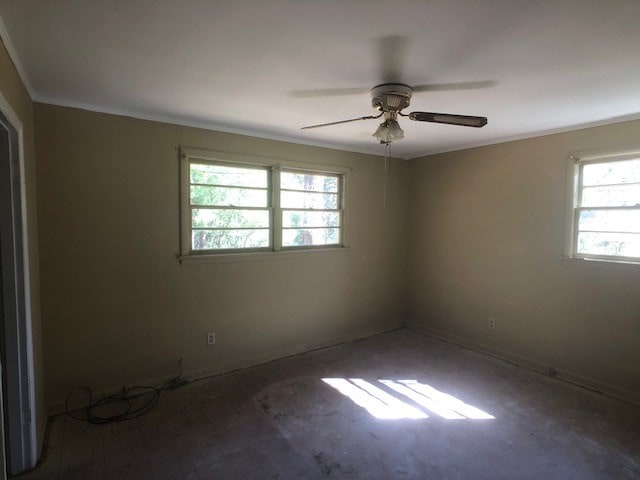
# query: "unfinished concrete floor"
399,405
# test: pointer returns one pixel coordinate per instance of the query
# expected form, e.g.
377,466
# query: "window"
605,214
230,207
233,204
310,206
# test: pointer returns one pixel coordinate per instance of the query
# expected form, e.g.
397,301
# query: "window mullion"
600,185
342,188
576,214
185,211
276,211
227,207
222,185
608,207
610,231
580,185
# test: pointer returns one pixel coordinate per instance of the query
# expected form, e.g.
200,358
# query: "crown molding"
202,125
540,133
290,139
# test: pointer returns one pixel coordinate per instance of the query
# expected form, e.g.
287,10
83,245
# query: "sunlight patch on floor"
384,405
375,401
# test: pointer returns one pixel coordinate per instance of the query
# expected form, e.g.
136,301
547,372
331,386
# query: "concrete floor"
282,421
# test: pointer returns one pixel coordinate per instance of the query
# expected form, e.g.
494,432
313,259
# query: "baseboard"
585,382
207,372
58,408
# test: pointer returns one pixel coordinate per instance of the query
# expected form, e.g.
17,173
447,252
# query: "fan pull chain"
387,173
387,156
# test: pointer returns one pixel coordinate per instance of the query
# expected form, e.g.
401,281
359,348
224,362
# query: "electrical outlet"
211,338
492,323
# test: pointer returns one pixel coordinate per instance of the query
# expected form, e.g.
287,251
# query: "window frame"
575,164
274,167
340,208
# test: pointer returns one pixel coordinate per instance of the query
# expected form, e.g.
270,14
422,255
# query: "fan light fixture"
389,130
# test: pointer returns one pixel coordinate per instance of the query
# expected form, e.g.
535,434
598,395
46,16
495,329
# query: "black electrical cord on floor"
127,398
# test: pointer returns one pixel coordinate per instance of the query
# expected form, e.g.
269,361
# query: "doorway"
16,350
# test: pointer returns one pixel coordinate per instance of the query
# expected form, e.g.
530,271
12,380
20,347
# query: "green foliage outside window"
234,227
230,207
310,227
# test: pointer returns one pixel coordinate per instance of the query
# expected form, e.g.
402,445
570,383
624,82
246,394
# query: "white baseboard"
58,408
591,384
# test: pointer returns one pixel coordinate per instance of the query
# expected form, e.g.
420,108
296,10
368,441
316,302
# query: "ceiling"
247,65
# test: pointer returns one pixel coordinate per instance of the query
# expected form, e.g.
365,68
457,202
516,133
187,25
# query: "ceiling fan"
391,97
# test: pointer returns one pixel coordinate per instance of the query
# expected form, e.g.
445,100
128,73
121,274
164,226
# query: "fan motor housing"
391,97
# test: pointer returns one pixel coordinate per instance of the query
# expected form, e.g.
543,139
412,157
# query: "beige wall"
118,308
15,94
486,240
483,229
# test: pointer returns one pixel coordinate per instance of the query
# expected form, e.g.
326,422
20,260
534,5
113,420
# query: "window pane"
224,218
308,200
310,182
610,220
625,171
615,244
313,236
233,176
621,195
228,239
306,218
222,196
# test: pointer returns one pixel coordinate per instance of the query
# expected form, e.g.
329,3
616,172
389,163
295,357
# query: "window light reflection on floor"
382,404
371,403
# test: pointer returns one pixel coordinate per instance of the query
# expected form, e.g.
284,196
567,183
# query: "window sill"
601,261
254,256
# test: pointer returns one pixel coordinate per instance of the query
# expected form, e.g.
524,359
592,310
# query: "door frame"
22,438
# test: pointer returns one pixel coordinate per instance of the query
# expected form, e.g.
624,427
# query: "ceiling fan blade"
392,53
448,118
329,92
443,87
342,121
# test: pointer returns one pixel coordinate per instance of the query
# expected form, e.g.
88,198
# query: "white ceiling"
236,65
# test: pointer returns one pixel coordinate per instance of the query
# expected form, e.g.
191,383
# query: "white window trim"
278,218
187,255
574,162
